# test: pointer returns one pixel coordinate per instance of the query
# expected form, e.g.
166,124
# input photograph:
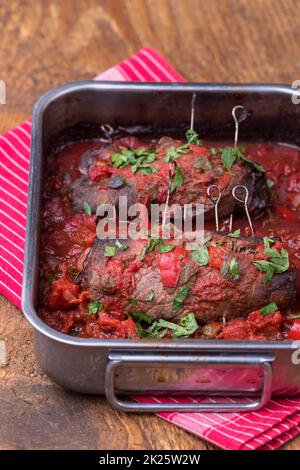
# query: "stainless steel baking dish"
240,368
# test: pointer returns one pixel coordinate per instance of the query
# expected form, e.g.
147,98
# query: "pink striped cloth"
269,428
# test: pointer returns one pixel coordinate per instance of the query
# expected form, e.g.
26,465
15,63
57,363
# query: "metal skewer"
172,170
193,111
215,199
244,201
237,120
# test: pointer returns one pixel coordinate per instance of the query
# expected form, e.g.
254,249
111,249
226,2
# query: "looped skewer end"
237,120
108,132
236,193
214,194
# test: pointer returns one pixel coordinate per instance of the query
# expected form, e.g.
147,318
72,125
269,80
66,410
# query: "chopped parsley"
192,137
231,268
234,268
186,326
235,234
177,179
95,307
137,159
278,262
173,153
87,208
268,309
155,243
294,317
201,254
229,156
141,316
180,298
121,246
110,251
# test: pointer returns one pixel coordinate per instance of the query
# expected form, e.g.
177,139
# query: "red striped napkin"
268,428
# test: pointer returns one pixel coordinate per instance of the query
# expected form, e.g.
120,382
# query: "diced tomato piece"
107,323
216,256
170,265
286,214
224,180
294,332
130,329
63,294
235,329
68,322
100,171
265,324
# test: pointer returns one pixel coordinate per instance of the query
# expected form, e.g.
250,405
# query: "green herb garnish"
201,255
231,268
277,263
87,208
110,251
180,298
192,137
229,155
138,159
164,248
215,244
121,246
141,316
155,243
174,153
95,307
234,269
294,317
143,253
186,326
235,234
268,309
177,179
270,183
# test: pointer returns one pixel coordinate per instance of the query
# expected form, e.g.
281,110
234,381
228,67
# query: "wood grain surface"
47,43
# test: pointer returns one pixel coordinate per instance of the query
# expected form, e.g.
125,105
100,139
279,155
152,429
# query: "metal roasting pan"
249,370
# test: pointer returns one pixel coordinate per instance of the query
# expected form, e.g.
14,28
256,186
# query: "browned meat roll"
140,170
224,278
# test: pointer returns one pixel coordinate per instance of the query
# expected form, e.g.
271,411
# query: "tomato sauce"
67,236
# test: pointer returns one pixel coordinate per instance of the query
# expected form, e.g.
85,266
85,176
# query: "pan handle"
118,359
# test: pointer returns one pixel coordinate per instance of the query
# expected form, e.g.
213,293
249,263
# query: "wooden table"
47,43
